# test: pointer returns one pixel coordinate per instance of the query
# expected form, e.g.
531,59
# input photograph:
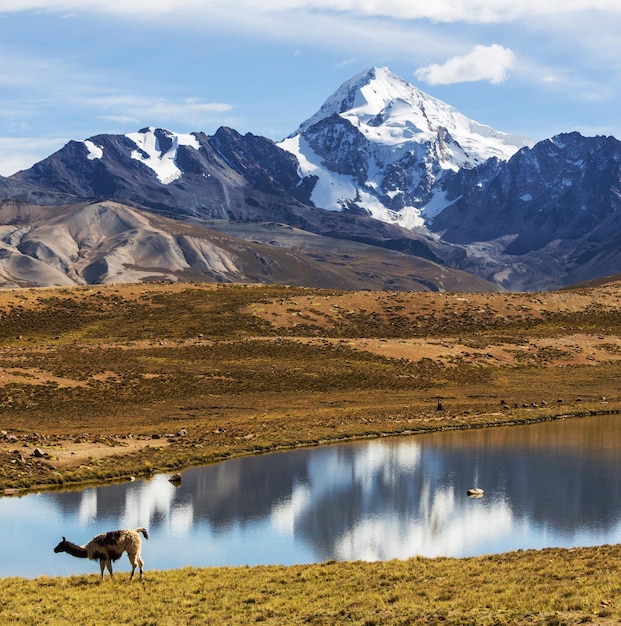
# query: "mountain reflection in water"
552,484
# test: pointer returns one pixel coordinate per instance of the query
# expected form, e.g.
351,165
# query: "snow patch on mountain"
94,151
337,192
157,149
436,205
331,187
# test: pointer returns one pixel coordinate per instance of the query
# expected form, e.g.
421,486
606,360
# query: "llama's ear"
64,540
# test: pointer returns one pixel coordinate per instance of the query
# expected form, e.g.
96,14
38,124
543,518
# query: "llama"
109,547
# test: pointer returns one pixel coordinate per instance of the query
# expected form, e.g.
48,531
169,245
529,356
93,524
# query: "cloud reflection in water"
555,484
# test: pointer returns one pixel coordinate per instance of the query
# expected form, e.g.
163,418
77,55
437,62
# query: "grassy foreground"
551,587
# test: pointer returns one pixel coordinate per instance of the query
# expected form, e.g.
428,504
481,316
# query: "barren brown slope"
107,242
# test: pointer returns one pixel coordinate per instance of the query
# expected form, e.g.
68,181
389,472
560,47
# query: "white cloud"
153,110
345,63
489,63
18,153
389,28
53,85
120,119
386,27
475,11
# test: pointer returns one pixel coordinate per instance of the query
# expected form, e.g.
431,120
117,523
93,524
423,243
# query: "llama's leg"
102,565
109,566
140,565
132,560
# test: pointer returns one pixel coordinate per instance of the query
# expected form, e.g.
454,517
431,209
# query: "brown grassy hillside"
107,381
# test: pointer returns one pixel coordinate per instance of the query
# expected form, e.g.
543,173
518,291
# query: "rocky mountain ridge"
380,165
552,213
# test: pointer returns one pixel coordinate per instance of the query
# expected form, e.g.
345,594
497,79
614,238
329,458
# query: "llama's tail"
143,531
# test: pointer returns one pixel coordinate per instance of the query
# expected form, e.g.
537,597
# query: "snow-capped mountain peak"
366,94
389,110
379,145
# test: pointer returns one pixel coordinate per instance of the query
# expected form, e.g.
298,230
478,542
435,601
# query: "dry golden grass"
548,587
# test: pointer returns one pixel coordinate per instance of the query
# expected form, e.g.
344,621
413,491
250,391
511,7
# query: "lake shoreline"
105,460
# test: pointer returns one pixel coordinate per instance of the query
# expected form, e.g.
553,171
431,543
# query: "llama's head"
72,549
62,546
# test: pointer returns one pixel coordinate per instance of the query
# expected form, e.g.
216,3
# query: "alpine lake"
553,484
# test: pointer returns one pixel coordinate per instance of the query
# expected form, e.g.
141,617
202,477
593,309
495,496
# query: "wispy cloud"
481,11
120,119
19,153
554,51
346,63
359,25
55,84
144,108
487,63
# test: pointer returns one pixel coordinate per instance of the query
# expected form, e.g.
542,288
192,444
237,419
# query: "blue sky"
71,69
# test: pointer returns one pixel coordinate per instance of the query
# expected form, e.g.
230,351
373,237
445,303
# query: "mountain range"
385,187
